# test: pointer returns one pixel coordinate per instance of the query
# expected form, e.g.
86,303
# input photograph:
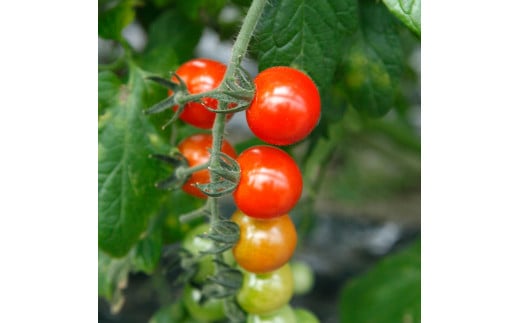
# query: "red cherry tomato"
286,106
270,182
264,244
196,150
200,75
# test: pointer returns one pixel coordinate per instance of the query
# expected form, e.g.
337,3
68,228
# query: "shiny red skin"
196,149
200,75
270,182
264,244
286,106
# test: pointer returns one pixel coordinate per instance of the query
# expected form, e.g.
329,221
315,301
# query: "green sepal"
233,311
174,181
224,231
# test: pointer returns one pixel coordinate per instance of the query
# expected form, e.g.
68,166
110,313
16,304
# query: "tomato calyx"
234,94
177,179
228,175
223,233
180,90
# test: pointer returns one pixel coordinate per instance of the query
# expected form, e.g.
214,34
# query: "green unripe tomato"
195,245
303,277
305,316
211,310
283,315
264,293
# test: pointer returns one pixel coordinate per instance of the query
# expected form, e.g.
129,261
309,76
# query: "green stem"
181,172
242,42
237,54
195,214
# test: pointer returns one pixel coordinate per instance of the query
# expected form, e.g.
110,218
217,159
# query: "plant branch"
244,36
237,54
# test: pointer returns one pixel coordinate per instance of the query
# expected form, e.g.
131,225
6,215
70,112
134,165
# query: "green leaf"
305,34
108,89
390,292
112,20
171,41
126,174
147,252
197,10
179,202
408,11
374,61
112,279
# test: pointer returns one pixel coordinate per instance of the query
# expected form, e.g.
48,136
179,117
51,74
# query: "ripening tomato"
196,150
264,293
286,106
211,310
284,314
200,75
264,244
270,182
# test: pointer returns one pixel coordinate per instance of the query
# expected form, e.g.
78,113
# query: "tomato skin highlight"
264,244
196,149
270,182
264,293
200,75
286,106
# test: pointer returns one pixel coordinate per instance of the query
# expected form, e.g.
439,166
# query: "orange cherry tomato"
265,244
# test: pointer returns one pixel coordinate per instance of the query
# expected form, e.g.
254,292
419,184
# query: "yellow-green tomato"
195,244
211,310
284,314
305,316
264,293
303,277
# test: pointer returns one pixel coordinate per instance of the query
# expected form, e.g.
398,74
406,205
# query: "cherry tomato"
211,310
200,75
196,150
270,182
284,314
286,106
264,293
195,244
264,244
305,316
303,277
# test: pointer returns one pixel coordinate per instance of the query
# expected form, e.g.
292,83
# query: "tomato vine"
282,106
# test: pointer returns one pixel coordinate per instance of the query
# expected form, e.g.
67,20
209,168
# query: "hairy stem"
244,36
237,54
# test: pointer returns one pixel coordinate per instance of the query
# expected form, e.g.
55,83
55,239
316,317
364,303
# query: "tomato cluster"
284,110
